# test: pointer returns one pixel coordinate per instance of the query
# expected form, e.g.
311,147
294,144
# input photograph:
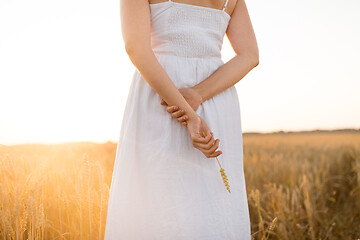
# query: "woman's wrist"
192,115
200,93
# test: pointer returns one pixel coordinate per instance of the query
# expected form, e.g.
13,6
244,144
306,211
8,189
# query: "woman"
166,182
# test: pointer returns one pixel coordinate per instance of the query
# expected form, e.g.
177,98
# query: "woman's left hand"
192,97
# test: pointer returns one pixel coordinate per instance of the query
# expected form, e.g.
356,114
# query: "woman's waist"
188,71
191,50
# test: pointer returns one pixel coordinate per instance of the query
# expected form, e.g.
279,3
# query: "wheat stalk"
271,228
223,174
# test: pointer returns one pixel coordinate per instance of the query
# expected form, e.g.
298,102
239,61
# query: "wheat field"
299,186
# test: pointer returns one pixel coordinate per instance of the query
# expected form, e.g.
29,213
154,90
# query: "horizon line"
338,130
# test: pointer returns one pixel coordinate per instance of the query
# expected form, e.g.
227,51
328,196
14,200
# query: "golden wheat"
299,186
222,172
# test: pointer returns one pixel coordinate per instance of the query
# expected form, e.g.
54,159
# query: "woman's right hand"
206,144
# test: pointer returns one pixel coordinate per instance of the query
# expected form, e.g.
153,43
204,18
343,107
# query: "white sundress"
162,187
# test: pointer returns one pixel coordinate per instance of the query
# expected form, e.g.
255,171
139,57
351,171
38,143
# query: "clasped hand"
206,144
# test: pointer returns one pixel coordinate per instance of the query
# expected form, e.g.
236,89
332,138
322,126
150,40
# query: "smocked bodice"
186,30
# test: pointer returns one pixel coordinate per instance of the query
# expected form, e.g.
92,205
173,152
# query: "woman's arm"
136,26
242,39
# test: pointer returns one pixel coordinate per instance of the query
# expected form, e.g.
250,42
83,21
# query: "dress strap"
226,2
169,1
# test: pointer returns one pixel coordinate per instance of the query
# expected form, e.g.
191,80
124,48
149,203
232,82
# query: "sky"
65,75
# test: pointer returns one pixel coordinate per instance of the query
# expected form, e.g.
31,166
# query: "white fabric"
226,2
162,187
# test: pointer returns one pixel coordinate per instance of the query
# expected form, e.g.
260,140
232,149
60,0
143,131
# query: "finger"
195,137
178,113
215,154
206,146
211,152
171,109
184,123
211,143
213,147
208,132
202,139
208,152
182,118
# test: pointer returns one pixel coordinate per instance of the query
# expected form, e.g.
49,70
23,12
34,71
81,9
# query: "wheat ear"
223,175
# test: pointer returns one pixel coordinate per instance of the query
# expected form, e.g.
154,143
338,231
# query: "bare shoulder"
231,6
240,31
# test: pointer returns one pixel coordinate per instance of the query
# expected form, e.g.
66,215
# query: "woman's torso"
187,30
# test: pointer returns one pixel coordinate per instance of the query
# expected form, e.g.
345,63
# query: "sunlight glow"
65,76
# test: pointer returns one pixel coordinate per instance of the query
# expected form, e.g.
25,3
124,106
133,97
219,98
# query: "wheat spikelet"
271,227
223,174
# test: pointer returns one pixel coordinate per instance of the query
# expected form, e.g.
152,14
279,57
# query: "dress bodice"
186,30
